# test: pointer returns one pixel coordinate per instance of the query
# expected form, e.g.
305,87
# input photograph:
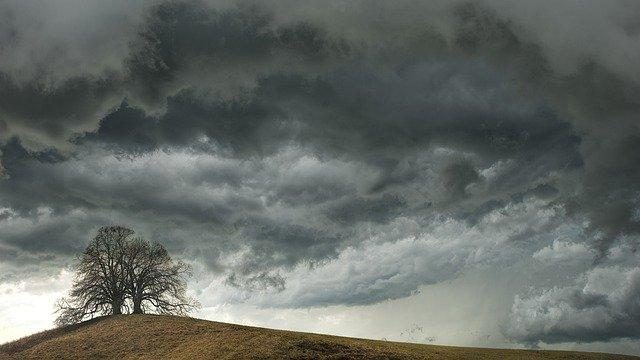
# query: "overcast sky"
446,172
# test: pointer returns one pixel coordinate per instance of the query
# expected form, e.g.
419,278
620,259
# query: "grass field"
169,337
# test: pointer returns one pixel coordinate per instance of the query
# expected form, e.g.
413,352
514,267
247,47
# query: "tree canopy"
120,273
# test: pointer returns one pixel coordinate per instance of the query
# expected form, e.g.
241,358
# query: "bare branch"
118,272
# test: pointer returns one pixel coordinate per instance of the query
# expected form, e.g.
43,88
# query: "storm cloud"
602,306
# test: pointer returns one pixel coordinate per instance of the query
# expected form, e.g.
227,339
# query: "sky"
446,172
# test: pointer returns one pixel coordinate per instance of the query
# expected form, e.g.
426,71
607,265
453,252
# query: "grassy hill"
169,337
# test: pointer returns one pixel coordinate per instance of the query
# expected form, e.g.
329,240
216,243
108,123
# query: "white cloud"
393,262
603,305
564,252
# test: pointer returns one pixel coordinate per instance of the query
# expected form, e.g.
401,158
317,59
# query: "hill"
170,337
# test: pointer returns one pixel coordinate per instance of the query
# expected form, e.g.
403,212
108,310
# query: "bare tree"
154,281
99,287
118,271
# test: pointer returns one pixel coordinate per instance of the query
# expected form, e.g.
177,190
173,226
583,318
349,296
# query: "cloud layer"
602,306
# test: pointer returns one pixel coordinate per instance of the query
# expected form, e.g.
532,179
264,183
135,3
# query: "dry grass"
167,337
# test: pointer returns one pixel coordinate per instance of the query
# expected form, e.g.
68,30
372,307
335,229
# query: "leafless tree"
99,287
154,281
118,271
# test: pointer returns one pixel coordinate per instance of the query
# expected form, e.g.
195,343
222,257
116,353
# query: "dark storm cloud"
476,214
42,240
379,210
473,214
543,191
127,128
301,193
353,109
457,176
260,282
176,32
53,109
54,80
238,125
279,243
611,176
176,38
42,179
51,239
481,32
358,112
25,189
179,35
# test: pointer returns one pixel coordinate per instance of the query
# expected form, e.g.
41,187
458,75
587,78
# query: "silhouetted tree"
155,281
99,287
117,271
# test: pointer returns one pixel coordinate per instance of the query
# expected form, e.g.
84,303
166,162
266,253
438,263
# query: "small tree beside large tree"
119,273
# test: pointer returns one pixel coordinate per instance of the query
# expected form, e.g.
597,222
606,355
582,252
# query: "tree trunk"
137,303
137,307
116,308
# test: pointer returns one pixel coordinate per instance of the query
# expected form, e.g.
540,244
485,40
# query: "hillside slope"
169,337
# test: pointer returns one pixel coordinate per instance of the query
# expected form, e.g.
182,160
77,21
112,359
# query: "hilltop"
169,337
